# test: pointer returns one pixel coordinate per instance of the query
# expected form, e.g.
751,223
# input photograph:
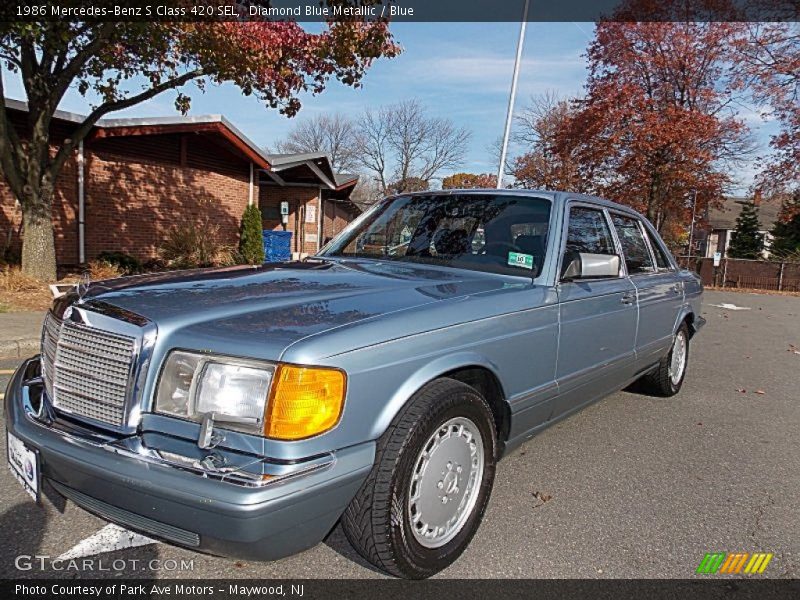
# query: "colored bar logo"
734,563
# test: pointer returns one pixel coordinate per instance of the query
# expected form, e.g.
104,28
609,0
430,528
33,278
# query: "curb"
22,348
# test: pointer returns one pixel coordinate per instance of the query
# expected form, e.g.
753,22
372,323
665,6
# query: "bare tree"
547,161
367,192
373,143
401,144
540,121
333,134
495,150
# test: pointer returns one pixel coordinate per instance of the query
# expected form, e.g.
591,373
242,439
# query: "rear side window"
588,232
637,256
662,262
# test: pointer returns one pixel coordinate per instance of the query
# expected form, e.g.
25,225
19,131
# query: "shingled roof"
724,217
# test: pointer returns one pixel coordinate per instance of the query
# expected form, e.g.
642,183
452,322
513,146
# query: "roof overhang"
214,127
297,167
307,169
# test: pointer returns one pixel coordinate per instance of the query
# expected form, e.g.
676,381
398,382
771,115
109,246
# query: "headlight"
286,402
235,390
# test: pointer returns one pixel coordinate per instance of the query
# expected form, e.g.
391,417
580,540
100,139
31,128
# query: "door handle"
628,298
676,288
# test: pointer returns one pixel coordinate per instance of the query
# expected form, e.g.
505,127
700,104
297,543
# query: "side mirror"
582,265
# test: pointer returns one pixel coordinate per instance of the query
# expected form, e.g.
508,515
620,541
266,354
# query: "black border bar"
431,11
394,589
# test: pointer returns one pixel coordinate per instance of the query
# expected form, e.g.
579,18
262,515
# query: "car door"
597,317
660,294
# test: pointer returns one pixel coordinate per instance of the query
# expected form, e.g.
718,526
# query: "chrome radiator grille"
87,371
50,332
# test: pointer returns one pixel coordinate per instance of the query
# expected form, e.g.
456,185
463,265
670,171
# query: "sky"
461,71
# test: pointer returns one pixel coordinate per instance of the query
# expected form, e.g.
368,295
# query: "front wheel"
667,378
425,497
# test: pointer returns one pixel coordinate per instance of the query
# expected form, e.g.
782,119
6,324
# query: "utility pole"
512,96
691,225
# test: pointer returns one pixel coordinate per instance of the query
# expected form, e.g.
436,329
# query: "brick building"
132,180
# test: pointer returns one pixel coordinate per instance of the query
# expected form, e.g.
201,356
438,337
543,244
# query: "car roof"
558,197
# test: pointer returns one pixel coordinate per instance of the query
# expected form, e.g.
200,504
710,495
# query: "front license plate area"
24,464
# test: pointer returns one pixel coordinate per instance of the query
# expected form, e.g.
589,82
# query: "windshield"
482,232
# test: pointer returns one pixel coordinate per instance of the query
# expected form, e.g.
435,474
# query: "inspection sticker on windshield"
515,259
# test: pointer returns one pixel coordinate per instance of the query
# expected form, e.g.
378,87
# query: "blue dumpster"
277,245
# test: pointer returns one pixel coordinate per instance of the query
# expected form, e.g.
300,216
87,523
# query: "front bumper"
210,515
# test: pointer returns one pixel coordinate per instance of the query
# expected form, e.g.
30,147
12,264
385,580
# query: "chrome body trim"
213,466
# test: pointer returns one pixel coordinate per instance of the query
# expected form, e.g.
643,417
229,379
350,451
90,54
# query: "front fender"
430,371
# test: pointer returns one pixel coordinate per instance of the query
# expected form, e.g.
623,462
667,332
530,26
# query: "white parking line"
109,538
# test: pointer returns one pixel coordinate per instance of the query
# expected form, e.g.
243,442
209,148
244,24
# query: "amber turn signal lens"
303,402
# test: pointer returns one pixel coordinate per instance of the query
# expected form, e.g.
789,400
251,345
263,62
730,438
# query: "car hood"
259,311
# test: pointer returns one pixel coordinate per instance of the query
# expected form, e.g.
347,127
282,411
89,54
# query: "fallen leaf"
741,390
541,498
760,392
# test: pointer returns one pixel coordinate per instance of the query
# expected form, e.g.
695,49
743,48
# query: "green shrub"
126,263
251,242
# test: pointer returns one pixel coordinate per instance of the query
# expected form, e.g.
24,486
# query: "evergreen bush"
747,241
251,242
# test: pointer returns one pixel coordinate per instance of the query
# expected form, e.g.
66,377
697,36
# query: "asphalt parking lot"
631,487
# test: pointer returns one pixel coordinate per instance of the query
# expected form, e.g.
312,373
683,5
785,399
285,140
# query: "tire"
661,381
378,521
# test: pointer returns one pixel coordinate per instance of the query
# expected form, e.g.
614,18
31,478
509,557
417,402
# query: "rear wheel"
433,474
667,378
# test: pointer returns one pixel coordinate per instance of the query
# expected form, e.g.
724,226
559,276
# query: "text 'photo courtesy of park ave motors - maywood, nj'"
336,298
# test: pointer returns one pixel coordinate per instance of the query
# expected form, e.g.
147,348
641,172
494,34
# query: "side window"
588,232
662,262
637,256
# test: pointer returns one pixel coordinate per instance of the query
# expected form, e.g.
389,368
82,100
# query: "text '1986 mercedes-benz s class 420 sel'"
246,411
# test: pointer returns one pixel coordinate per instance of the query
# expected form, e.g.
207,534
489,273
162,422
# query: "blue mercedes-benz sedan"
246,411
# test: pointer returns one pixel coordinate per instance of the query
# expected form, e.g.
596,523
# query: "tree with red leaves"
656,124
126,63
767,63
